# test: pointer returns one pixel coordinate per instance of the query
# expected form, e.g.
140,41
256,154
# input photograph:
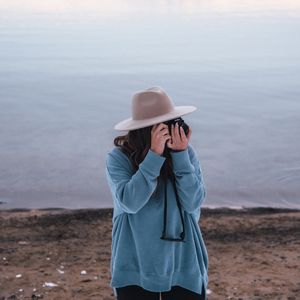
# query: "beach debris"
23,243
36,296
60,271
95,277
48,258
18,275
21,290
34,289
83,272
49,284
4,258
208,291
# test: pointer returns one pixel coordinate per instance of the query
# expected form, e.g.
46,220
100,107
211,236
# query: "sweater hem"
159,283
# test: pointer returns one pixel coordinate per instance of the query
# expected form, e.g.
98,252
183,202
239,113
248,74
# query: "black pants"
135,292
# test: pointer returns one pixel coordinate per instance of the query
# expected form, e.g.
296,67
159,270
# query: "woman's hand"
179,141
159,135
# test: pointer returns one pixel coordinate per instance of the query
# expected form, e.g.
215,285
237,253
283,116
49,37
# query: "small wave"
235,207
4,201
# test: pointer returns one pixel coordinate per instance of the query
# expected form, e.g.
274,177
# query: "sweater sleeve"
189,179
132,191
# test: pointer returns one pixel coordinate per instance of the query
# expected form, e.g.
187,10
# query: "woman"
157,187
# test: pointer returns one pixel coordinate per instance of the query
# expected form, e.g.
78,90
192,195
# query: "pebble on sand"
60,271
23,243
49,284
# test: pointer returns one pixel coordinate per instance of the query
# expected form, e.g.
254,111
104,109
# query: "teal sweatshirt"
138,255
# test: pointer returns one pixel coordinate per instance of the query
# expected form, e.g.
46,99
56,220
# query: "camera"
181,123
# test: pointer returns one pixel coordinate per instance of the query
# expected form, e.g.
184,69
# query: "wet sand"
253,253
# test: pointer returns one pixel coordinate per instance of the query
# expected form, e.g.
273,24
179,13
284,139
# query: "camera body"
181,123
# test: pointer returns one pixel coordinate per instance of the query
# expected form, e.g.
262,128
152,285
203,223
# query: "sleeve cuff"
181,161
153,162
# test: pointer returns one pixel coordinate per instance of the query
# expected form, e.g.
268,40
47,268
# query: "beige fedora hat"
152,106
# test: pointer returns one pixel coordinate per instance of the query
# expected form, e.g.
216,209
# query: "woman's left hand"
179,141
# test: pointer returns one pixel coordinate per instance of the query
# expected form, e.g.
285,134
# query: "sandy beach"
65,254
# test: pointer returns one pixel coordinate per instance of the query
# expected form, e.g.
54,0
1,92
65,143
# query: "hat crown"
151,103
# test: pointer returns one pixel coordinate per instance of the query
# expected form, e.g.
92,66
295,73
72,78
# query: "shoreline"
217,209
257,249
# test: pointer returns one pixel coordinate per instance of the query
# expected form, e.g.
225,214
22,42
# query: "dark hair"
136,144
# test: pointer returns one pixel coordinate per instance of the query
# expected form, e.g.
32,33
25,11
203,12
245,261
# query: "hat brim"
130,124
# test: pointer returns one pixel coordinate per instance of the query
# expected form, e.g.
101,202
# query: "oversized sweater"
138,255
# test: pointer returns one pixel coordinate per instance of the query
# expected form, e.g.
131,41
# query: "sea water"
68,70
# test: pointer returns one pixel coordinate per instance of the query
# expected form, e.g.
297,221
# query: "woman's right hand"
159,136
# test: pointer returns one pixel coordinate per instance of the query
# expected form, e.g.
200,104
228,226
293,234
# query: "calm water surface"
68,70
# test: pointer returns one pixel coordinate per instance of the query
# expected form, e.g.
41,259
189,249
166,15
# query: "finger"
170,143
183,136
172,131
153,128
189,133
162,133
166,136
176,132
164,127
182,132
165,131
167,140
159,127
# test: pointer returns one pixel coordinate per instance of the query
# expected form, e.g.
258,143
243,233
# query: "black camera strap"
182,234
